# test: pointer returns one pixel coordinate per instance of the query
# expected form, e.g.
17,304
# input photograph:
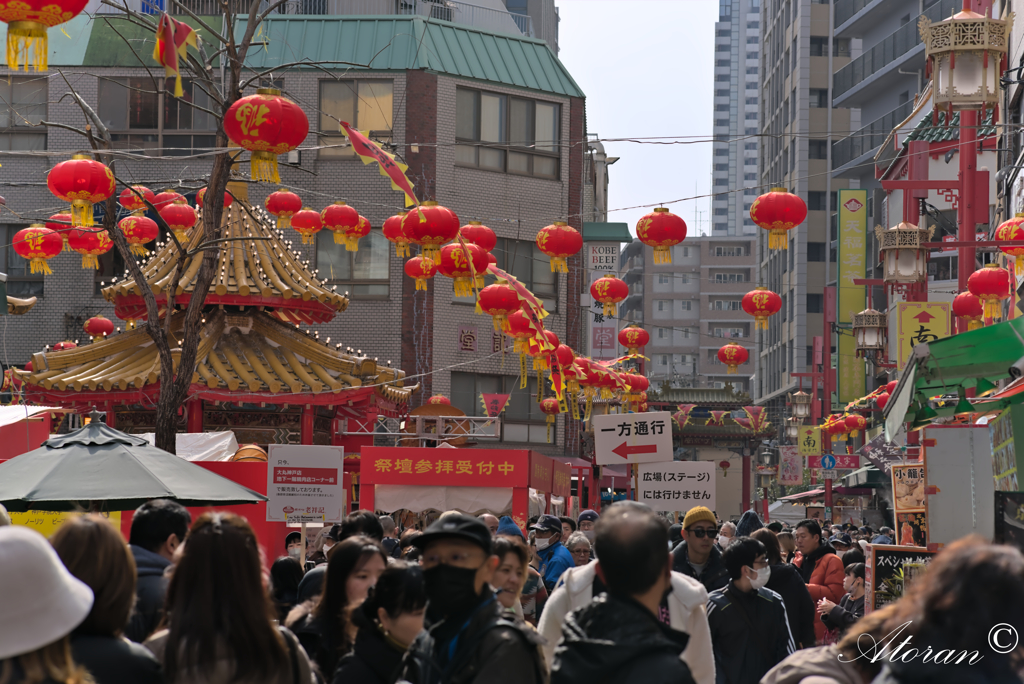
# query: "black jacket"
715,576
323,646
847,612
372,661
749,633
492,649
111,660
149,591
615,640
392,546
787,583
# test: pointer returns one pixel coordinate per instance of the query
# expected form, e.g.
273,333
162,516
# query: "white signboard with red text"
633,438
305,483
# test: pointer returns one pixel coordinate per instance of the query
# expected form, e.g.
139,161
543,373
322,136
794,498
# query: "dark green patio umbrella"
100,468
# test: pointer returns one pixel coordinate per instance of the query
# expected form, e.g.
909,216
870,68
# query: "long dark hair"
285,575
771,545
400,589
332,607
216,601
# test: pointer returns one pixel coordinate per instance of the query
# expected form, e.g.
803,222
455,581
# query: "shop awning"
803,495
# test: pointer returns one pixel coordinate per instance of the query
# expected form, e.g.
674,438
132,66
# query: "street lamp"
801,403
793,429
869,330
904,260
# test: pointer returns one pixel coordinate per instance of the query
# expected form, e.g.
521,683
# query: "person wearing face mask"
618,637
585,525
293,546
838,618
725,536
468,640
554,557
746,618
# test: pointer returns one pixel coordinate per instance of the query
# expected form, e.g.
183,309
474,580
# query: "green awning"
606,232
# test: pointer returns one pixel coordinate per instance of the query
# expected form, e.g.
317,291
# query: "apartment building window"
730,251
26,100
815,251
721,122
751,116
365,104
723,152
663,333
817,149
522,421
524,260
725,305
721,107
130,108
721,62
663,278
663,360
751,101
749,176
752,85
686,305
752,70
722,181
721,211
663,305
730,278
818,98
815,303
511,134
750,146
816,200
722,47
365,274
753,24
723,33
730,332
722,77
20,283
753,40
751,55
722,93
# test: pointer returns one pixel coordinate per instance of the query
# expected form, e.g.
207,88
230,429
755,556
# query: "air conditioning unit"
295,157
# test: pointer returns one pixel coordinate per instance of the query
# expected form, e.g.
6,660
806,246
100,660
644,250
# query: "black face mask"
450,591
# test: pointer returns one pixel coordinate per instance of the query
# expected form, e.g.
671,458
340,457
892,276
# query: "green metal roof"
925,130
610,232
67,47
114,38
400,43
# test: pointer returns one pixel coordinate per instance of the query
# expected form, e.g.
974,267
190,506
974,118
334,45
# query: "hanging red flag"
172,39
370,152
494,403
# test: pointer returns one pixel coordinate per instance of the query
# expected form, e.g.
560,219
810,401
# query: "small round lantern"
99,326
800,402
564,358
881,400
134,198
65,346
82,181
339,218
1013,229
38,244
549,407
430,225
267,125
394,234
662,230
559,241
869,331
778,212
835,426
180,217
521,329
724,465
992,285
27,21
166,198
439,400
761,303
498,301
633,337
890,387
352,235
90,244
228,199
968,306
479,235
733,356
856,423
421,269
283,204
138,230
61,224
455,264
609,291
540,355
636,385
307,223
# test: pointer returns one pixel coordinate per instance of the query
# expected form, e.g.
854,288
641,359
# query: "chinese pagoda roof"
243,357
262,273
17,306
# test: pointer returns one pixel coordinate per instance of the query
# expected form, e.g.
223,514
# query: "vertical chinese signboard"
910,504
791,466
809,442
918,323
305,483
602,260
852,257
1004,455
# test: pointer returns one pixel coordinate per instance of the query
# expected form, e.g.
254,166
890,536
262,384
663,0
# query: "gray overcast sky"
646,69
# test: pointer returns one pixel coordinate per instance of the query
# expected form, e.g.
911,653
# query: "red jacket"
826,580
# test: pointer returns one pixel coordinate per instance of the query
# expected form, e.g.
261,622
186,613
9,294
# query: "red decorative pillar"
306,425
746,483
111,418
966,209
194,419
366,496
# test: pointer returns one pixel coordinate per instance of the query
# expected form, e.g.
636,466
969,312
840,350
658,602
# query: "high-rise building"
737,92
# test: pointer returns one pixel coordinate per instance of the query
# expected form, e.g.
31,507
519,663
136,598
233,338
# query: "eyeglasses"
701,532
581,551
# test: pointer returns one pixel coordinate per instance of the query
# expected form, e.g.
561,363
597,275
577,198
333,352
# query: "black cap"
292,537
548,523
458,526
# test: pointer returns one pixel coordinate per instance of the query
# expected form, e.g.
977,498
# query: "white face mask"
328,547
295,552
724,541
762,578
543,543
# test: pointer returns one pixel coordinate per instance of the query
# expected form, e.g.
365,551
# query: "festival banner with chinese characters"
677,485
541,469
910,504
47,522
446,467
561,479
809,442
918,323
791,466
852,299
1004,453
494,404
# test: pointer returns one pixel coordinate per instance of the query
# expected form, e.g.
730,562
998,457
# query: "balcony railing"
870,137
886,51
844,9
485,18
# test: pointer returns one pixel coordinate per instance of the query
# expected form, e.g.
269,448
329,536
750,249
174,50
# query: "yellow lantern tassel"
589,408
731,369
479,281
263,167
558,265
974,324
284,222
181,235
549,428
27,44
761,322
519,346
39,266
340,238
90,261
351,243
401,249
662,255
431,252
421,283
777,239
992,308
138,250
573,385
67,247
1019,264
609,309
81,213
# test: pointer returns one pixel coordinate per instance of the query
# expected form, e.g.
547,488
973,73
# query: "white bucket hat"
42,600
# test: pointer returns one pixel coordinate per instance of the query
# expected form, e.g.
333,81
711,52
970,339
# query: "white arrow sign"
633,438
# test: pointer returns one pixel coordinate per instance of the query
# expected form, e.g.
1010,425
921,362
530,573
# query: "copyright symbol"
1002,638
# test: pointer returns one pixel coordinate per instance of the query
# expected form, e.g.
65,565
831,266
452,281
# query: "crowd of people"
621,596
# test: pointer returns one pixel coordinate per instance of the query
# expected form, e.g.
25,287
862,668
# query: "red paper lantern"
228,199
138,230
439,400
724,465
421,269
890,387
307,223
82,181
180,217
283,204
540,355
733,356
521,329
564,357
777,212
609,290
267,125
90,244
549,407
491,259
38,244
61,224
498,301
992,285
633,337
338,218
1013,229
761,303
855,423
479,235
99,326
559,241
27,21
967,305
394,234
431,225
166,198
835,426
881,400
130,198
65,345
661,229
455,264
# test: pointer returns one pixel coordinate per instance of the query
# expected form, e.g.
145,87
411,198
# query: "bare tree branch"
315,65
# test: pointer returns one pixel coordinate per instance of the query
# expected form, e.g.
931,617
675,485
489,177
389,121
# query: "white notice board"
677,486
305,483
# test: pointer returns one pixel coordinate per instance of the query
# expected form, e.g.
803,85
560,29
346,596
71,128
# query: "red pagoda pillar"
306,425
194,418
